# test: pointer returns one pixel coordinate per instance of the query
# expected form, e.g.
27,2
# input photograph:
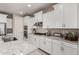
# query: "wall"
18,27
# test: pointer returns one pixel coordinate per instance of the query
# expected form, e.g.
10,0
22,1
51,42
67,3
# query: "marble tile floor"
37,52
16,47
19,47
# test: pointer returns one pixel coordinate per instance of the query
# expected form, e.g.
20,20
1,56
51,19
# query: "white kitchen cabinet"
30,39
63,16
58,16
69,50
45,44
35,40
38,16
70,15
54,18
3,18
57,48
48,45
9,22
30,22
48,20
60,48
26,19
42,43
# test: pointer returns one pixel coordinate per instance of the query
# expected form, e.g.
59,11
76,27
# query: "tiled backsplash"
62,30
57,30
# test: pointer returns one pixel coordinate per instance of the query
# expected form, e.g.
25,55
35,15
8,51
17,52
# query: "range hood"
38,24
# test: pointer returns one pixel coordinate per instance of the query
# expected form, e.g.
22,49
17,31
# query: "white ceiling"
15,8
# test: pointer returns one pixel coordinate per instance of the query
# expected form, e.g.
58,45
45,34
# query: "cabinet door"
9,23
48,20
26,19
3,18
36,42
54,19
57,48
38,16
70,15
30,39
69,50
48,45
58,16
31,22
42,43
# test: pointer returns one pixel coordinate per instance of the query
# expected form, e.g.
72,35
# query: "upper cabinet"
63,16
31,22
38,16
3,18
54,18
9,22
70,15
26,18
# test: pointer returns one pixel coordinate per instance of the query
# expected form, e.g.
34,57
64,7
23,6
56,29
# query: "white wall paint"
18,27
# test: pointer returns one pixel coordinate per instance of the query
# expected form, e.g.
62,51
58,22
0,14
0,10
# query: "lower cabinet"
48,45
34,40
42,43
45,44
61,49
57,47
31,39
54,46
69,50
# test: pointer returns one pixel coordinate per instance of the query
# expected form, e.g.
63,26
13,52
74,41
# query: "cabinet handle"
44,42
62,48
35,39
63,25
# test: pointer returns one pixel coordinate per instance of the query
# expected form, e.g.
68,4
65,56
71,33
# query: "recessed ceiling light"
21,12
29,5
